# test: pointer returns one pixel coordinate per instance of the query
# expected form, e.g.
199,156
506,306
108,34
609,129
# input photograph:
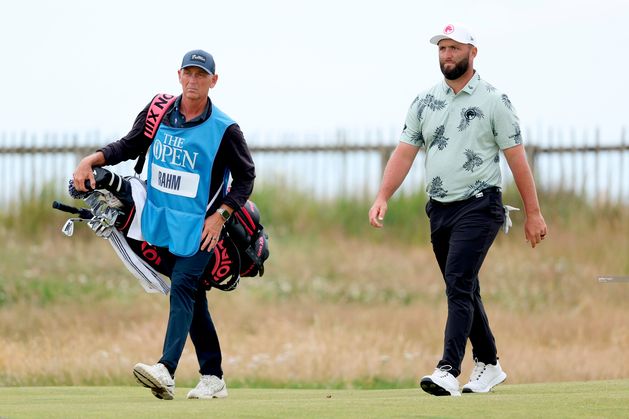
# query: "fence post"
584,162
531,156
384,158
573,168
621,152
597,183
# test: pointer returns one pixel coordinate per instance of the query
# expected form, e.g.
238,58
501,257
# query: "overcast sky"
307,66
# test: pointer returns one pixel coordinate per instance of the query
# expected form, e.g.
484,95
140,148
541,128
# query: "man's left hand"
211,231
535,229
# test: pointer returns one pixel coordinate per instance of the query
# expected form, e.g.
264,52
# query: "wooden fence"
338,168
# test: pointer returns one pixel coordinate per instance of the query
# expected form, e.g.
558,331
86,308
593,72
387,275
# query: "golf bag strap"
250,251
154,116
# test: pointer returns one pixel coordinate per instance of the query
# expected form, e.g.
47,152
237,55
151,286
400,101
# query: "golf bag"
115,210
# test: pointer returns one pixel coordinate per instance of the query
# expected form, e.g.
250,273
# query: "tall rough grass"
340,304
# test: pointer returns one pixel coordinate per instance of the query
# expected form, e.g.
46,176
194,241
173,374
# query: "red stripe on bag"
244,223
126,223
253,224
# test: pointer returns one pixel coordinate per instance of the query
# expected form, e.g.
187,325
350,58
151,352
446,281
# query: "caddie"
193,149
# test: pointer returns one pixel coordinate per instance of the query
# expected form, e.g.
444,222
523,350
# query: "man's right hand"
395,171
84,171
377,212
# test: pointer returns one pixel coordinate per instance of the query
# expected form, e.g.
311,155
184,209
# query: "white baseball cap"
455,32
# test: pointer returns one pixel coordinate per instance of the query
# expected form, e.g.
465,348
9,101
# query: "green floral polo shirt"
462,135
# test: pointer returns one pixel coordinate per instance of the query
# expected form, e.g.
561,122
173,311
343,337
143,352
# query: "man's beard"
456,72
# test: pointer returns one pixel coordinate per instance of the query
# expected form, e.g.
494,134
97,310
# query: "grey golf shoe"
209,387
157,378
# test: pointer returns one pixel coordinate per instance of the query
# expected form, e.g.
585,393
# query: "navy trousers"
462,233
189,314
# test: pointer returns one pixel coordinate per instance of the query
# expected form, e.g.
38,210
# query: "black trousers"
462,233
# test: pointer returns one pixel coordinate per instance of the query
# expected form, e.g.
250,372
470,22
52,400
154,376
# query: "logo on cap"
197,57
448,29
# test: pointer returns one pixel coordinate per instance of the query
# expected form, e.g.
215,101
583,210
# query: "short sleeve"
506,124
412,132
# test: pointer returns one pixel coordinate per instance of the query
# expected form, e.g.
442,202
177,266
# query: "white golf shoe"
484,377
209,387
441,383
157,378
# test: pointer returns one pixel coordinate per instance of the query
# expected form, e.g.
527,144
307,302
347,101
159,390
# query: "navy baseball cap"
199,58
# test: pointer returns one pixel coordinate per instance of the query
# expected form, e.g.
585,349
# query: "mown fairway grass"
605,399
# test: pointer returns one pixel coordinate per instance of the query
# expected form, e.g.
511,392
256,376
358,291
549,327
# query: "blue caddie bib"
179,174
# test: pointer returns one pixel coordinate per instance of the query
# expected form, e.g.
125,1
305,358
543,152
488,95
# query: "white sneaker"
209,387
441,383
157,378
484,377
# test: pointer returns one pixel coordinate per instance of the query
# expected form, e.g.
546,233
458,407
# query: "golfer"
463,123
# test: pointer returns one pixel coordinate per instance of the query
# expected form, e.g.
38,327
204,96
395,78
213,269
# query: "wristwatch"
224,213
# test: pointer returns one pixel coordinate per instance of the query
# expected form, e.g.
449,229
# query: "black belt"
479,194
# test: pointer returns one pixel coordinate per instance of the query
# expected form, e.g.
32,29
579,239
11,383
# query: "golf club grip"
65,208
82,212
